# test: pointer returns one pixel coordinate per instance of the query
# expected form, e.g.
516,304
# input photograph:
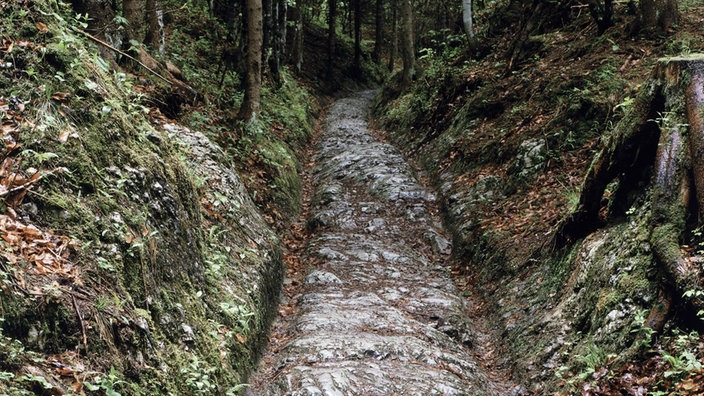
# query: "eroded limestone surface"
378,313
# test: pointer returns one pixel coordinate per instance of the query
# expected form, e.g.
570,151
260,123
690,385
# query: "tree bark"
249,111
394,35
664,131
379,32
134,12
407,44
467,18
267,28
332,17
100,22
602,14
297,50
155,26
357,65
278,45
657,16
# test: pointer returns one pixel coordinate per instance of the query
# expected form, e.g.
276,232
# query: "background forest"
152,158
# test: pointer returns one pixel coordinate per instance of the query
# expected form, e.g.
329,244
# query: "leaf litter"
28,250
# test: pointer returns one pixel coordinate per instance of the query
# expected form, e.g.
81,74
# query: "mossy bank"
135,260
508,152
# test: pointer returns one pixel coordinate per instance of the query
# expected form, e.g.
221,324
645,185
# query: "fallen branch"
25,186
104,44
32,181
80,319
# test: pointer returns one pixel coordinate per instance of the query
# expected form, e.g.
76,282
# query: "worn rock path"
376,311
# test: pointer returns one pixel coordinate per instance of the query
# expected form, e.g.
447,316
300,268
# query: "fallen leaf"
64,372
60,96
63,136
41,26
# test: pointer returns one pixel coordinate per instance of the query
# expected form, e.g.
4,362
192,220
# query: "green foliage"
240,313
12,355
200,378
681,356
643,333
107,383
592,359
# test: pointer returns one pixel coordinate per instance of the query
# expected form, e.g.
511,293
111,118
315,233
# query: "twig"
80,319
29,183
20,188
103,43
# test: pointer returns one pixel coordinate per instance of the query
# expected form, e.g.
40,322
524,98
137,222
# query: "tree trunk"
278,39
283,20
155,26
407,45
657,15
253,80
357,65
664,131
297,50
134,11
267,29
467,18
347,17
602,14
100,22
332,17
379,32
394,35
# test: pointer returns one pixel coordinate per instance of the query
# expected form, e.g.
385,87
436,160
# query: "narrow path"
377,312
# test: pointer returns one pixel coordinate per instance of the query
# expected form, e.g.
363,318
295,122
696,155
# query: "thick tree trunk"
394,35
694,95
297,50
665,130
253,80
278,17
100,23
467,18
602,13
267,28
407,44
332,18
134,11
379,32
657,15
357,65
155,26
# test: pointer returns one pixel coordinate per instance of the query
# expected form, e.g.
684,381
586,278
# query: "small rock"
320,278
188,334
327,253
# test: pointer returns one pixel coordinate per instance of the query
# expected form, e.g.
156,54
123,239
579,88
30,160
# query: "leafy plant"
199,377
643,333
106,383
681,364
590,361
37,379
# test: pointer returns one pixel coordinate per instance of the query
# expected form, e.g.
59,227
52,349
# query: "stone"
321,277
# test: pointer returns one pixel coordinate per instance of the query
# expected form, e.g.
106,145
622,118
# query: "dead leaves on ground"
29,250
46,253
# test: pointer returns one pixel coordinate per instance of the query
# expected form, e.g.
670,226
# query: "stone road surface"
378,313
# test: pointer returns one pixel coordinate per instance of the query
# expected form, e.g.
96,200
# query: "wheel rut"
370,307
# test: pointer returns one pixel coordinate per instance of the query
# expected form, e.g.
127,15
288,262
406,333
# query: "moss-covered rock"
166,275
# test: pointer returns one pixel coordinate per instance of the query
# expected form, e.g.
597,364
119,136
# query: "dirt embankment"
508,151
